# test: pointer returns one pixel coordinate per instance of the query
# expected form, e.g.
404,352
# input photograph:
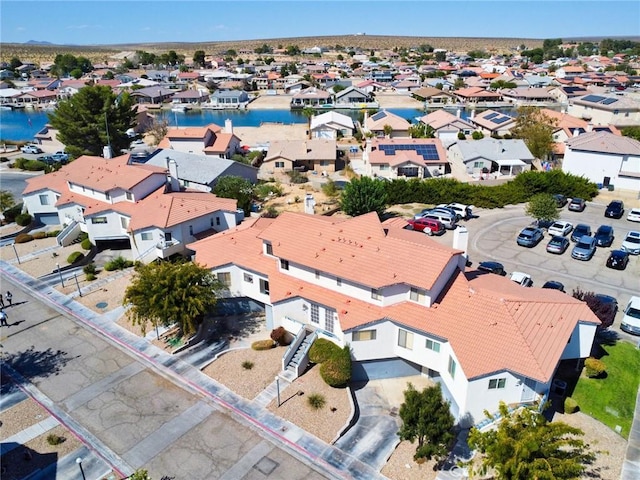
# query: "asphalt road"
492,236
133,416
14,181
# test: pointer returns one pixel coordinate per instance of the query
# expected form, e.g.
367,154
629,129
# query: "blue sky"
111,22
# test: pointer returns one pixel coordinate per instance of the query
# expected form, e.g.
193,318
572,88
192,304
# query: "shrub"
316,401
461,136
24,219
86,244
118,263
90,268
39,235
570,405
53,233
75,257
23,238
90,277
594,367
4,159
321,350
477,135
336,370
263,345
53,439
247,365
296,177
11,213
279,335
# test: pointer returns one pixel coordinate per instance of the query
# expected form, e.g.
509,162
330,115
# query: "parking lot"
493,233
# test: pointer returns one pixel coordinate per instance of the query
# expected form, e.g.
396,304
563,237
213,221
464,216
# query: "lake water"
25,124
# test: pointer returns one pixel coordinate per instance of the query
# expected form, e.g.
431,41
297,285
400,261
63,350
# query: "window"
99,220
416,295
478,164
146,236
190,229
328,320
405,339
497,383
129,196
317,274
248,278
364,335
384,166
432,345
107,196
315,314
375,294
217,220
211,221
264,286
324,163
44,199
284,264
225,278
269,248
279,164
124,222
452,367
338,281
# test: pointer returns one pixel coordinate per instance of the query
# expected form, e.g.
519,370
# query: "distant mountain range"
36,42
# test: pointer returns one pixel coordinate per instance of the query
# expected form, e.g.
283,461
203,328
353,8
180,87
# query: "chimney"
309,204
589,127
576,132
228,126
174,184
461,240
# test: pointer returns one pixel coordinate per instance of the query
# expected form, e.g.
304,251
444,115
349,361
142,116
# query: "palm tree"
6,200
308,112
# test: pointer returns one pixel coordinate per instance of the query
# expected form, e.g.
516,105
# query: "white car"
560,228
521,278
634,215
631,244
465,211
31,149
631,320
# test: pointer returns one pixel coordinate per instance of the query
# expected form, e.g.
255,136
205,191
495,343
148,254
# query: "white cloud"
83,27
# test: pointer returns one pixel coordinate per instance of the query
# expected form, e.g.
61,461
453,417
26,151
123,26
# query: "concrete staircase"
301,356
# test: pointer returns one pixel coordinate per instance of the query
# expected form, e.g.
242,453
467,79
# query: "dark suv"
492,267
615,209
560,199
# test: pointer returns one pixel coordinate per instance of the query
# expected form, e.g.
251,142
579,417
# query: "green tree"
363,195
140,474
542,207
631,132
525,446
163,293
231,186
198,57
536,129
308,112
426,417
422,130
6,200
92,118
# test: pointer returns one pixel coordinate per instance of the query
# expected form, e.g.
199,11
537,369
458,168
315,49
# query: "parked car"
427,225
530,237
580,231
492,267
631,244
462,211
558,245
48,159
615,209
631,320
604,236
577,205
31,149
584,248
560,199
560,227
447,219
522,278
618,259
634,215
554,285
61,157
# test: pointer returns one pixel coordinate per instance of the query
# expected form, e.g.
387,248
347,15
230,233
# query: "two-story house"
113,200
356,282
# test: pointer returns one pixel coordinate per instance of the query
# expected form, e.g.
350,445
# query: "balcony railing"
165,249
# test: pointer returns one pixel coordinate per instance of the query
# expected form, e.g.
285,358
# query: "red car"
426,225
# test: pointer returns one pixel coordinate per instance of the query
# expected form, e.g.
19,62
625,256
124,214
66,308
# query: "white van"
447,219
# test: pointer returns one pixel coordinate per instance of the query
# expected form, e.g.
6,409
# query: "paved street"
132,412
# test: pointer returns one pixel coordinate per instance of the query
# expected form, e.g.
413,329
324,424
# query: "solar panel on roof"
501,120
378,116
489,117
609,101
593,98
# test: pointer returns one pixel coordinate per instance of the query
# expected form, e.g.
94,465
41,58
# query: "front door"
528,390
606,181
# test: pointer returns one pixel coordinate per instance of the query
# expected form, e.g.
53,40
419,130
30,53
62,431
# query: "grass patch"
612,399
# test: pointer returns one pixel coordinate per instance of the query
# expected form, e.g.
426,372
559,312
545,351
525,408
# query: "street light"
16,252
79,462
60,274
278,388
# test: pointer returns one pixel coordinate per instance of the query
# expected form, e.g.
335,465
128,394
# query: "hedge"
336,370
75,257
518,190
322,349
118,263
263,345
570,405
11,213
86,244
39,235
23,238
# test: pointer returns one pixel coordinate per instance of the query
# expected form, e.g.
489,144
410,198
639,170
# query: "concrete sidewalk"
334,462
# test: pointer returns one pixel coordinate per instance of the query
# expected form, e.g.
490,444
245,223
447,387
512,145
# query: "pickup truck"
31,149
